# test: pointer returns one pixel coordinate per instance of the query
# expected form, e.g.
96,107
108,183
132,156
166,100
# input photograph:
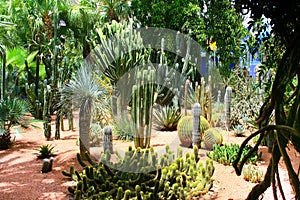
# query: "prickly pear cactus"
212,136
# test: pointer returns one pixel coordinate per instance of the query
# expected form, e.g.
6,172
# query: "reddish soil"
21,177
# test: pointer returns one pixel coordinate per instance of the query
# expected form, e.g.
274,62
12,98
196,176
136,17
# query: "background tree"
225,27
284,97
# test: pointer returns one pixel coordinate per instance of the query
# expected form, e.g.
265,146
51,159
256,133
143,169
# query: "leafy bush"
45,151
166,118
226,154
246,99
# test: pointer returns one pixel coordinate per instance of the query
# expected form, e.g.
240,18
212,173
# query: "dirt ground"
21,177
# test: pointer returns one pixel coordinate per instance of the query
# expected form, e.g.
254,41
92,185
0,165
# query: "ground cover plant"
227,154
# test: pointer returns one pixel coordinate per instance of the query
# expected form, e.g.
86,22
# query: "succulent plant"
253,174
239,130
158,179
45,151
185,129
211,137
166,118
226,154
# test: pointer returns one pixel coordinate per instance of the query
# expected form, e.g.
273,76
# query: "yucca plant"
45,151
83,91
166,118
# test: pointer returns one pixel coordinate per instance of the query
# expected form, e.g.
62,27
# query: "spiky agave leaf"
166,118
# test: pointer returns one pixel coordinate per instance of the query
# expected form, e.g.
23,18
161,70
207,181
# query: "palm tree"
117,10
82,92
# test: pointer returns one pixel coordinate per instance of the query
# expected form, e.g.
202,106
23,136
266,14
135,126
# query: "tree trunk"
84,130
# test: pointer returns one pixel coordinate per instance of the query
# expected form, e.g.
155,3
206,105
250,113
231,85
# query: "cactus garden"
156,100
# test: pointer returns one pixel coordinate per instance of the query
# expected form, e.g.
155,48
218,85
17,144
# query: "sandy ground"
21,177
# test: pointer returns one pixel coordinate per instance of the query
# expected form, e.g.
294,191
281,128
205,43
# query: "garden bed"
21,177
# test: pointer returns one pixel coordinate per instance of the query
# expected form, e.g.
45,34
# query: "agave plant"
45,151
12,111
166,118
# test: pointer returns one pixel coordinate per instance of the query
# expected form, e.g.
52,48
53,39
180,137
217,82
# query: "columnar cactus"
209,106
227,101
107,139
196,134
142,106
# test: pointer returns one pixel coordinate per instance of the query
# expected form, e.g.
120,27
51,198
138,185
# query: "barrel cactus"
212,136
204,124
185,129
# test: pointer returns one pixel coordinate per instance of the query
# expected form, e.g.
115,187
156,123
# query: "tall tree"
225,27
284,97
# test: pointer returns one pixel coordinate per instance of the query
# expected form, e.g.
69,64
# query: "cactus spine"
227,101
142,106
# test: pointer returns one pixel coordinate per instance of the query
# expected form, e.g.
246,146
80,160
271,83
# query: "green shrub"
226,154
166,118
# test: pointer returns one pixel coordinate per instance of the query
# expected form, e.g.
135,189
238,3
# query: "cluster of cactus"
166,118
142,106
164,178
226,154
211,137
185,129
253,174
203,96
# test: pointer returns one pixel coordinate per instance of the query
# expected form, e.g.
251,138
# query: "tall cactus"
227,101
209,99
196,134
142,106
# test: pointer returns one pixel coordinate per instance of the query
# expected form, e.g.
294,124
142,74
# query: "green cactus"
212,136
185,129
178,179
142,106
252,174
